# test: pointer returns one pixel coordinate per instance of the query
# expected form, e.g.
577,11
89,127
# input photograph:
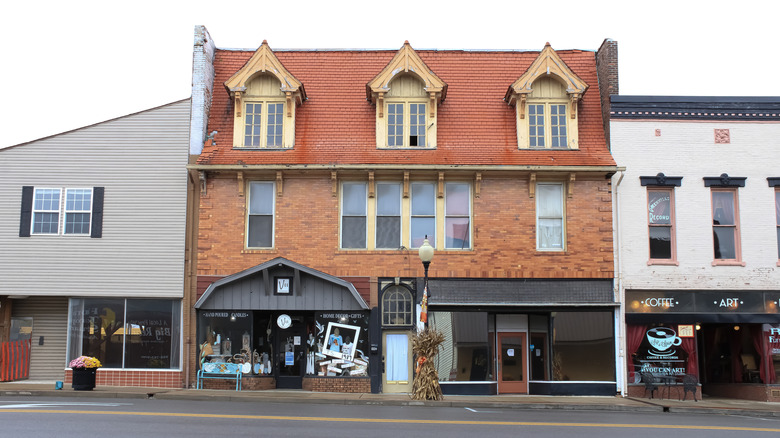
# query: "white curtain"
397,361
550,215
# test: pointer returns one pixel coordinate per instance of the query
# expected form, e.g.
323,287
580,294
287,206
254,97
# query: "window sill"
551,251
414,251
407,148
247,148
259,251
663,262
728,263
546,149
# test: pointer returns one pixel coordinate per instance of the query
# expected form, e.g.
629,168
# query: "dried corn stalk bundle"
425,345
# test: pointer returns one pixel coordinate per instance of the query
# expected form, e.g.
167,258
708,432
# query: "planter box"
84,379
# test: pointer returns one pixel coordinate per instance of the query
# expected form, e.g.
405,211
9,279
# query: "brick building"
320,174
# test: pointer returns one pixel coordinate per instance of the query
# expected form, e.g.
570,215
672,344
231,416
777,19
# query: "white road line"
469,409
52,404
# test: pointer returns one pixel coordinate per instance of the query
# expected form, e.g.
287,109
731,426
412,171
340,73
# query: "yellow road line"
381,420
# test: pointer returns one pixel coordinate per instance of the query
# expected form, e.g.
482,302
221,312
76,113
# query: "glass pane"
99,328
583,334
353,199
46,223
261,198
465,354
260,231
77,223
549,200
353,232
388,232
397,306
47,199
456,233
777,206
457,199
78,199
659,207
423,199
397,358
660,242
152,334
724,239
551,233
388,199
512,358
422,226
722,208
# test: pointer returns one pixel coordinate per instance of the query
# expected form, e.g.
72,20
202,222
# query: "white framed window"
550,225
406,124
547,125
48,207
725,225
423,214
457,216
397,306
777,215
661,224
260,214
264,124
388,215
353,215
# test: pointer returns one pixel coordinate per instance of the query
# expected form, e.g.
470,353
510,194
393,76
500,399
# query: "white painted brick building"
691,161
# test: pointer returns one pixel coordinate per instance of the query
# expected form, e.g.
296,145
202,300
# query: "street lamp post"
426,255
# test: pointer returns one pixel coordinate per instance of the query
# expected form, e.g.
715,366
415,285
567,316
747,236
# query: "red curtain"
764,348
689,345
634,336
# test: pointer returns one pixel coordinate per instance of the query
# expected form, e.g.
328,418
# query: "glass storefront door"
291,354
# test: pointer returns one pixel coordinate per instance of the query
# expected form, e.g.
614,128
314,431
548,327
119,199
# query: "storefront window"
223,334
342,345
126,333
583,346
772,352
465,354
661,350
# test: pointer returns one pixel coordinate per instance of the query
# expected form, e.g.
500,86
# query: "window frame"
562,186
548,136
777,217
431,240
62,211
265,114
407,124
342,215
672,227
408,298
377,215
448,215
249,214
737,260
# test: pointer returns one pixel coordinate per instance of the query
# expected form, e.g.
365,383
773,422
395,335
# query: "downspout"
621,296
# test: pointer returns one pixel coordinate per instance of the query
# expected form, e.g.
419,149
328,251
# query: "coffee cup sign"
663,338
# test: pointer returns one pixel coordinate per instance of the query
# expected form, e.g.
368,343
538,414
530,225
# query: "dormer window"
406,94
265,96
545,98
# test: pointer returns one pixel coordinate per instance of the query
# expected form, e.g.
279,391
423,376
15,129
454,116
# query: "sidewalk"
717,406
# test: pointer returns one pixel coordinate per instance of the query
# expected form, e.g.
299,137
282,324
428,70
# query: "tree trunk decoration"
425,345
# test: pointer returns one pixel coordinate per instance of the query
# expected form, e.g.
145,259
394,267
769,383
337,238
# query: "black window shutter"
26,218
97,212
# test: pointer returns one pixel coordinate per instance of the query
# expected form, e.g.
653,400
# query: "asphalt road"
74,417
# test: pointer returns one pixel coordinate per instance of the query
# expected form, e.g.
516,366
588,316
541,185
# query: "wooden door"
512,364
397,373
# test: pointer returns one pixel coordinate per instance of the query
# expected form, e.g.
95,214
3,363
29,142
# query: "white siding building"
93,239
697,213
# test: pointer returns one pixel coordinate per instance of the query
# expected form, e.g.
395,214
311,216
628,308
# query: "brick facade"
151,379
337,384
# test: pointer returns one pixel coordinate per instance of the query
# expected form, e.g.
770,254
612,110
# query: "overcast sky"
68,64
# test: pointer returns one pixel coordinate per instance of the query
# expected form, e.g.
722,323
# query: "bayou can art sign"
661,353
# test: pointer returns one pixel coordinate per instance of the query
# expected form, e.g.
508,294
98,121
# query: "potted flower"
84,372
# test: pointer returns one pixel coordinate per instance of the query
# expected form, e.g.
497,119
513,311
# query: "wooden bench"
219,370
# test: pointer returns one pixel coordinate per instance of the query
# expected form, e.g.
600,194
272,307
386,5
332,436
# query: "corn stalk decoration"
425,345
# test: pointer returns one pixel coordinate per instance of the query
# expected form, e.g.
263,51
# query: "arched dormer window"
406,94
546,97
397,307
265,95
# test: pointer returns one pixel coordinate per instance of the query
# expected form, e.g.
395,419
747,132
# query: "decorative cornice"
773,181
547,63
724,180
661,180
406,60
265,61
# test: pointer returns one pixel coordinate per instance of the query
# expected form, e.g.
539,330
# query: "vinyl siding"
140,159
